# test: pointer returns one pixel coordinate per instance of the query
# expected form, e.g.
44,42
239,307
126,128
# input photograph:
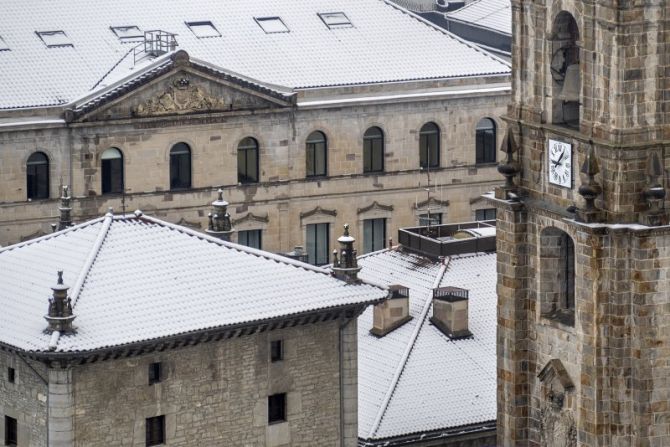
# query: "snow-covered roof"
136,278
492,14
415,379
381,43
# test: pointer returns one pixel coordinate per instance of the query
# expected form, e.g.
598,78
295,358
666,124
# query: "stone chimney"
450,311
219,219
65,209
60,316
392,313
345,264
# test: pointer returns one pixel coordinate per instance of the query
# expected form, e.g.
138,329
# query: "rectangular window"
250,238
203,29
318,243
11,375
277,408
127,33
334,20
276,350
374,235
435,219
3,45
485,214
272,25
155,430
11,431
54,39
154,373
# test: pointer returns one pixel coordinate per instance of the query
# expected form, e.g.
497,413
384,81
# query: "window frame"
485,142
322,228
276,350
312,146
370,150
484,212
11,375
107,178
423,219
11,431
262,21
424,134
277,417
33,190
252,148
155,423
178,167
197,26
155,373
246,233
371,226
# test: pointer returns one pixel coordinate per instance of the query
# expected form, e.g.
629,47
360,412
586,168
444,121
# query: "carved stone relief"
181,96
557,423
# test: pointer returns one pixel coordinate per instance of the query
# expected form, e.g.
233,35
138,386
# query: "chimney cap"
219,201
450,294
345,238
398,291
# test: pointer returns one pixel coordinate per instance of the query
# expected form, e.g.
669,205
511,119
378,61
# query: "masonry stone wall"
283,192
24,400
216,393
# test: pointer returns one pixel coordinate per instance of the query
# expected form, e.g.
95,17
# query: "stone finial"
60,316
509,168
65,209
345,266
654,194
219,220
590,190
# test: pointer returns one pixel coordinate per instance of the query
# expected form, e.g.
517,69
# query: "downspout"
45,382
340,344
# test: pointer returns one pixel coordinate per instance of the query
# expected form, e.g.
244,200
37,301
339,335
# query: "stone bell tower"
583,242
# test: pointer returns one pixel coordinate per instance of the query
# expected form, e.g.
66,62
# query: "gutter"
447,434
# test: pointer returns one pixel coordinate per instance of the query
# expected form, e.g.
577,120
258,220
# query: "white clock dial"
560,163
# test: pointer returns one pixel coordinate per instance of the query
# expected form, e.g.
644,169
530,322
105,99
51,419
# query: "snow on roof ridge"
83,273
51,235
448,33
408,349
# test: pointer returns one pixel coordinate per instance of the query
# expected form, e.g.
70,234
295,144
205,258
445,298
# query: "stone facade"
583,324
276,203
212,393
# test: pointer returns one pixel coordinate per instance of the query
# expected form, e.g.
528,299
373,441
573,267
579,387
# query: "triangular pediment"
179,86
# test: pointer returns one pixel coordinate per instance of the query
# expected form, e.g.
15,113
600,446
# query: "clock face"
560,163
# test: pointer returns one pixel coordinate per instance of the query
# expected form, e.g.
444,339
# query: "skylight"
127,33
203,29
3,45
271,25
335,20
54,39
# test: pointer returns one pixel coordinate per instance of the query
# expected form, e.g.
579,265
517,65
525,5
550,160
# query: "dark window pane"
485,141
180,166
276,350
373,150
429,146
435,219
247,161
485,214
11,431
250,238
316,155
37,173
317,243
11,375
112,171
155,430
154,373
374,235
276,408
569,272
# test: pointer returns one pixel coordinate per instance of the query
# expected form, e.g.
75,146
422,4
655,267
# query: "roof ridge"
83,273
52,235
408,350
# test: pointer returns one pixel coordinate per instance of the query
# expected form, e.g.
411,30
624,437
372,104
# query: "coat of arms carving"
180,97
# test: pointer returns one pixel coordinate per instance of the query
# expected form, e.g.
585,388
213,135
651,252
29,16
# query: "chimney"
65,209
450,311
219,219
345,264
60,316
298,254
392,313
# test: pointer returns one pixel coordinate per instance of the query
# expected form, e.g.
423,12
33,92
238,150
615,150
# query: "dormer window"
127,33
203,29
335,20
3,45
565,71
54,39
272,25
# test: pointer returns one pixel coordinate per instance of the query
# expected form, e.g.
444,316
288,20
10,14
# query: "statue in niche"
557,423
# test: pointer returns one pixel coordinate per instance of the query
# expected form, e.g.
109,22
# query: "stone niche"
557,423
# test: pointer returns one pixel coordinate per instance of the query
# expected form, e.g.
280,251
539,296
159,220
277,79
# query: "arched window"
565,70
557,276
486,141
373,150
112,171
37,174
317,154
247,161
180,166
429,146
